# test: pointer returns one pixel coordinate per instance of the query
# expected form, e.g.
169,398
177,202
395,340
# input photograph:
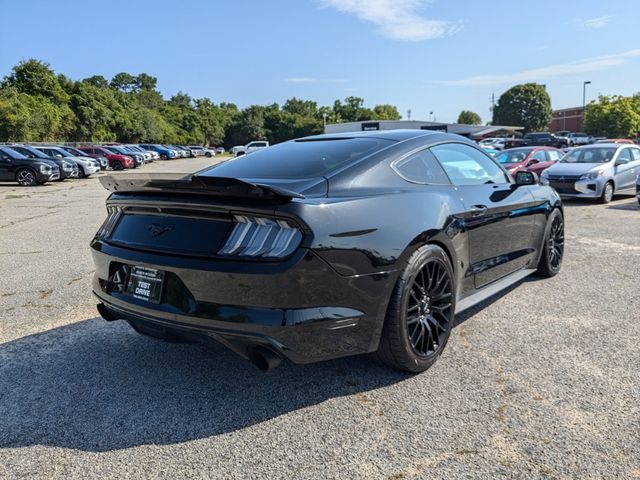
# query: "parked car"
249,147
164,152
117,161
102,161
179,153
574,139
616,140
220,150
325,247
497,143
491,151
138,158
531,159
68,168
16,167
537,139
203,151
595,171
638,189
134,150
138,148
86,165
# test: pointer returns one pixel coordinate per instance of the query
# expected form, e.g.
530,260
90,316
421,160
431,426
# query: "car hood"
573,168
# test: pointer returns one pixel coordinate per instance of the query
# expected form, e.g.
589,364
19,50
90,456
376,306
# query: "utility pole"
409,114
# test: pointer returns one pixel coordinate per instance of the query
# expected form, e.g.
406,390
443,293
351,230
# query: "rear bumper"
302,309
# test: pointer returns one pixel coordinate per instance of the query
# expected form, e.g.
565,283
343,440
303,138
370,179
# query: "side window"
625,154
4,156
539,156
467,166
635,153
553,155
421,167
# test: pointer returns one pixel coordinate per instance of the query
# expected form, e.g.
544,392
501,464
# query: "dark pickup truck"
538,139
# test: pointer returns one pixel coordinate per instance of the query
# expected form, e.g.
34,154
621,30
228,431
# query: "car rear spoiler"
195,184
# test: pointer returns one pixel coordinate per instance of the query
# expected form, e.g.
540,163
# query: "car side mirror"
58,155
533,161
526,178
621,161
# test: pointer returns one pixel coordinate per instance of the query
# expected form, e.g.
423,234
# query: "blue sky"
437,56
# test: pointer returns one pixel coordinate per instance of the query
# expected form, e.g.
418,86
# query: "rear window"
300,158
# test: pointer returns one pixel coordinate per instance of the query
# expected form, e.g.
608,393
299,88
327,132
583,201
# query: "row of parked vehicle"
599,170
563,139
37,164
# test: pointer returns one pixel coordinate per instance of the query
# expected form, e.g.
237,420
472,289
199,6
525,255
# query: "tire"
163,156
26,177
607,193
208,154
422,304
81,173
117,165
552,245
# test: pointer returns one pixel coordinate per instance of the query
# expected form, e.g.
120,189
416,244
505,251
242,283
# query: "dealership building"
475,132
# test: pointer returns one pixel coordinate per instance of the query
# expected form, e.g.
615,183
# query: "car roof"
603,145
394,135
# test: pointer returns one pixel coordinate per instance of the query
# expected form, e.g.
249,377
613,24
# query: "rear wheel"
553,247
25,177
421,312
607,193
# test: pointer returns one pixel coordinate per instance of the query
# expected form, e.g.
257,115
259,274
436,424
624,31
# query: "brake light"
113,214
260,237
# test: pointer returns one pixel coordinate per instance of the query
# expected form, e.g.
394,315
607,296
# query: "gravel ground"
541,382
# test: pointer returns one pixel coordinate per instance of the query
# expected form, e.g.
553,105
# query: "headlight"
261,237
66,165
45,169
592,175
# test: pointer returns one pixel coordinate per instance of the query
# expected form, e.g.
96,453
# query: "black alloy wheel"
420,314
25,177
429,308
553,248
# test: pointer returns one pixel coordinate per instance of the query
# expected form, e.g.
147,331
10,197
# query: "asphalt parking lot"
541,382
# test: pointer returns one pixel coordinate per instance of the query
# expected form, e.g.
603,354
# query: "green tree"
386,112
352,110
526,105
467,117
125,82
613,116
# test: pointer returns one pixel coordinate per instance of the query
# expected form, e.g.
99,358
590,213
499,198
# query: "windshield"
300,159
13,153
589,155
513,156
58,151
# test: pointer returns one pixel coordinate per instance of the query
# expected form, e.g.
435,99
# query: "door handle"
478,210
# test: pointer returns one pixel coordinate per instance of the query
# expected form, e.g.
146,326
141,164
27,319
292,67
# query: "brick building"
567,119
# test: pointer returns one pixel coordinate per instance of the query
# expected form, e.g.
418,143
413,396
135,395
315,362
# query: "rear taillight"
260,237
113,214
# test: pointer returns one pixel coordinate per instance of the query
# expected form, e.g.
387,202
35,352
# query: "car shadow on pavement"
97,386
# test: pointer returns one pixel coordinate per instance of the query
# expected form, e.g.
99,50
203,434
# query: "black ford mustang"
325,246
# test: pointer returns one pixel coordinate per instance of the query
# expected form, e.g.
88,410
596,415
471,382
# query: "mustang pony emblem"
158,229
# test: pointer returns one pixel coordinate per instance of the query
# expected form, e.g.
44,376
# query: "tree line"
39,106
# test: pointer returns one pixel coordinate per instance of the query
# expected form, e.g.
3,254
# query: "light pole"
584,101
324,119
584,92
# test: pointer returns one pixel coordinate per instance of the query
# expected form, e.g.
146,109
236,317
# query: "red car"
116,160
531,159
